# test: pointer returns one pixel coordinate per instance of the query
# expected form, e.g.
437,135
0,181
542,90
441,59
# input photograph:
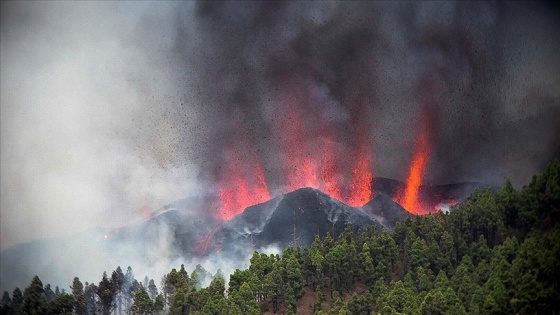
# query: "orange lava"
300,165
309,156
242,193
360,187
328,176
409,197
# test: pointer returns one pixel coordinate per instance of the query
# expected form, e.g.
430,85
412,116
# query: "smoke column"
326,88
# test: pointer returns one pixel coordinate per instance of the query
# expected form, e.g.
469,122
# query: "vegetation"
498,253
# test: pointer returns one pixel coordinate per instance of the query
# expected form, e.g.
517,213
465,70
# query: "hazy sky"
84,128
111,110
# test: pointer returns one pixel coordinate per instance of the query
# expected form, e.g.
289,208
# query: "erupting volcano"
309,153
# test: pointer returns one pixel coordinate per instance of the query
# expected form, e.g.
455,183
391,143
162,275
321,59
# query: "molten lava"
360,187
242,193
309,156
300,167
328,175
409,197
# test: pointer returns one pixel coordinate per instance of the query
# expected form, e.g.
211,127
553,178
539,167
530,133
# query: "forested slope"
497,253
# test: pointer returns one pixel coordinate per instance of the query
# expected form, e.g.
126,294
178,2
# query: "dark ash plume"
371,67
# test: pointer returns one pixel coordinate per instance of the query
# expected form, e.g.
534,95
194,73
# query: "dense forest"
497,253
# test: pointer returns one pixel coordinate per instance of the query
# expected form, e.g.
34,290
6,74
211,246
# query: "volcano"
293,218
183,230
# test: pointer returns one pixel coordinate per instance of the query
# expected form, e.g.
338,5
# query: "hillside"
498,253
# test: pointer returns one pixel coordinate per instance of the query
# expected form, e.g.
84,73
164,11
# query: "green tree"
62,304
433,304
6,306
294,276
90,297
422,281
317,263
179,302
152,289
490,306
337,303
367,266
159,304
399,298
290,298
356,304
49,293
507,202
142,304
419,254
318,300
17,300
245,300
200,274
217,305
34,300
77,287
237,279
217,286
106,292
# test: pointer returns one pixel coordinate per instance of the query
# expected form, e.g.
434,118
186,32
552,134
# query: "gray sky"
110,110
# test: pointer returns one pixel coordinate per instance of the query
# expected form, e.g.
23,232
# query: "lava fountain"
409,196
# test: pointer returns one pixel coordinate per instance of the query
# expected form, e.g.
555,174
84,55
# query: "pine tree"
217,286
142,305
77,287
127,294
17,300
6,306
91,298
118,280
34,300
159,304
336,304
367,266
105,292
245,301
49,293
62,304
318,300
152,289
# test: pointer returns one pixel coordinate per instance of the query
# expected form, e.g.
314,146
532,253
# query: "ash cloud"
482,71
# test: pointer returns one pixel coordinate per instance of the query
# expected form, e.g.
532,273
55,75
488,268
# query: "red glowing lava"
242,179
360,187
300,166
309,155
409,197
310,160
242,192
328,176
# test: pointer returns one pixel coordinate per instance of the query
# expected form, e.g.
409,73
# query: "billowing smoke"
111,110
365,73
